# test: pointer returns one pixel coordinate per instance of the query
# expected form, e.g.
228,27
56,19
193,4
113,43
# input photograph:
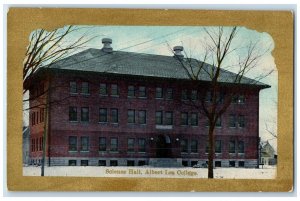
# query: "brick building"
115,108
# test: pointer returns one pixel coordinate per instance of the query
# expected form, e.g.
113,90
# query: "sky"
160,40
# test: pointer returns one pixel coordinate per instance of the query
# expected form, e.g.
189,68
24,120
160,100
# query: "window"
194,146
169,118
218,146
232,121
241,147
241,99
85,88
142,117
158,117
130,116
37,117
142,92
231,163
114,115
113,163
72,162
241,163
113,144
207,147
102,115
193,163
194,95
159,92
184,145
102,144
220,97
103,89
33,118
36,144
241,121
84,143
32,145
219,122
73,87
218,164
72,114
42,115
130,163
84,163
141,163
232,146
169,94
85,114
184,118
102,163
40,144
194,119
72,143
130,144
142,145
131,91
184,163
184,95
208,97
114,90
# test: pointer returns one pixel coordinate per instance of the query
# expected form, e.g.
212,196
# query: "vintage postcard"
147,104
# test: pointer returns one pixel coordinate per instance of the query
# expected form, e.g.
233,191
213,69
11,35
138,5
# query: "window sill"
131,97
73,121
115,96
83,94
142,97
130,152
113,152
159,98
84,151
130,124
102,152
195,126
73,94
73,151
103,122
141,152
195,153
103,95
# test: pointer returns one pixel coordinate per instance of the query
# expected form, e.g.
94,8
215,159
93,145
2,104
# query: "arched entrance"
163,147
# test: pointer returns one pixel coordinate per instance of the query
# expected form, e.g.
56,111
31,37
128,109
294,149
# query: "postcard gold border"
22,21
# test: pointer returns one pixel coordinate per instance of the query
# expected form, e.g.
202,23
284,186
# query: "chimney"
177,52
106,45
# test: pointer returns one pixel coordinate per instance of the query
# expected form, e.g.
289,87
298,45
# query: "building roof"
139,64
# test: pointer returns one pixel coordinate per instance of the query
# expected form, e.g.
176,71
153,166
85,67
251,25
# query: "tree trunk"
211,153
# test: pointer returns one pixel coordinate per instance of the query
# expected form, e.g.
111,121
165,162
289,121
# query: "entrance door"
163,147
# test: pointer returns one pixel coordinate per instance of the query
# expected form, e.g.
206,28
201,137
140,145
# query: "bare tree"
44,49
213,103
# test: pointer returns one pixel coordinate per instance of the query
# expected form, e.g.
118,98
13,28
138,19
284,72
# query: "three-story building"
114,108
